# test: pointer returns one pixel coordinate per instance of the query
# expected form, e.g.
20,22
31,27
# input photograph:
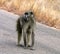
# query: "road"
47,39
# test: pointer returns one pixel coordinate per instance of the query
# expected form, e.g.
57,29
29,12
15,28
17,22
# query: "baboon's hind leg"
19,37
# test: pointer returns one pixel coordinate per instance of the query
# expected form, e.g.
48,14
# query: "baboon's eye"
26,13
31,13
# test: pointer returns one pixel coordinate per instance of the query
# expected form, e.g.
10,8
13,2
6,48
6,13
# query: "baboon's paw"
32,48
20,45
29,46
25,47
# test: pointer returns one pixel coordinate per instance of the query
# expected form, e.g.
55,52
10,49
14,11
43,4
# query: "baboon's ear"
26,13
31,13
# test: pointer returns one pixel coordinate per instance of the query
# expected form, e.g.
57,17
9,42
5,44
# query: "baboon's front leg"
28,37
25,37
33,39
30,33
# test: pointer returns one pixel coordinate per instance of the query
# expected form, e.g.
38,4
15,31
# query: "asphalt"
47,39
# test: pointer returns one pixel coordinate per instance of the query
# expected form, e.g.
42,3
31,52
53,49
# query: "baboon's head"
28,15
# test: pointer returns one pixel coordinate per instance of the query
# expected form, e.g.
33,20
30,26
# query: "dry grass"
46,11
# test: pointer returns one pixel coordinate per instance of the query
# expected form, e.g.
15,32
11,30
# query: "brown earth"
46,11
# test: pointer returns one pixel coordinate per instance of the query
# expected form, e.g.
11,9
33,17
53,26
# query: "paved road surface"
47,40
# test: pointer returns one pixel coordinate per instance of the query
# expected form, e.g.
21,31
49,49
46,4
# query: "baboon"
25,27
